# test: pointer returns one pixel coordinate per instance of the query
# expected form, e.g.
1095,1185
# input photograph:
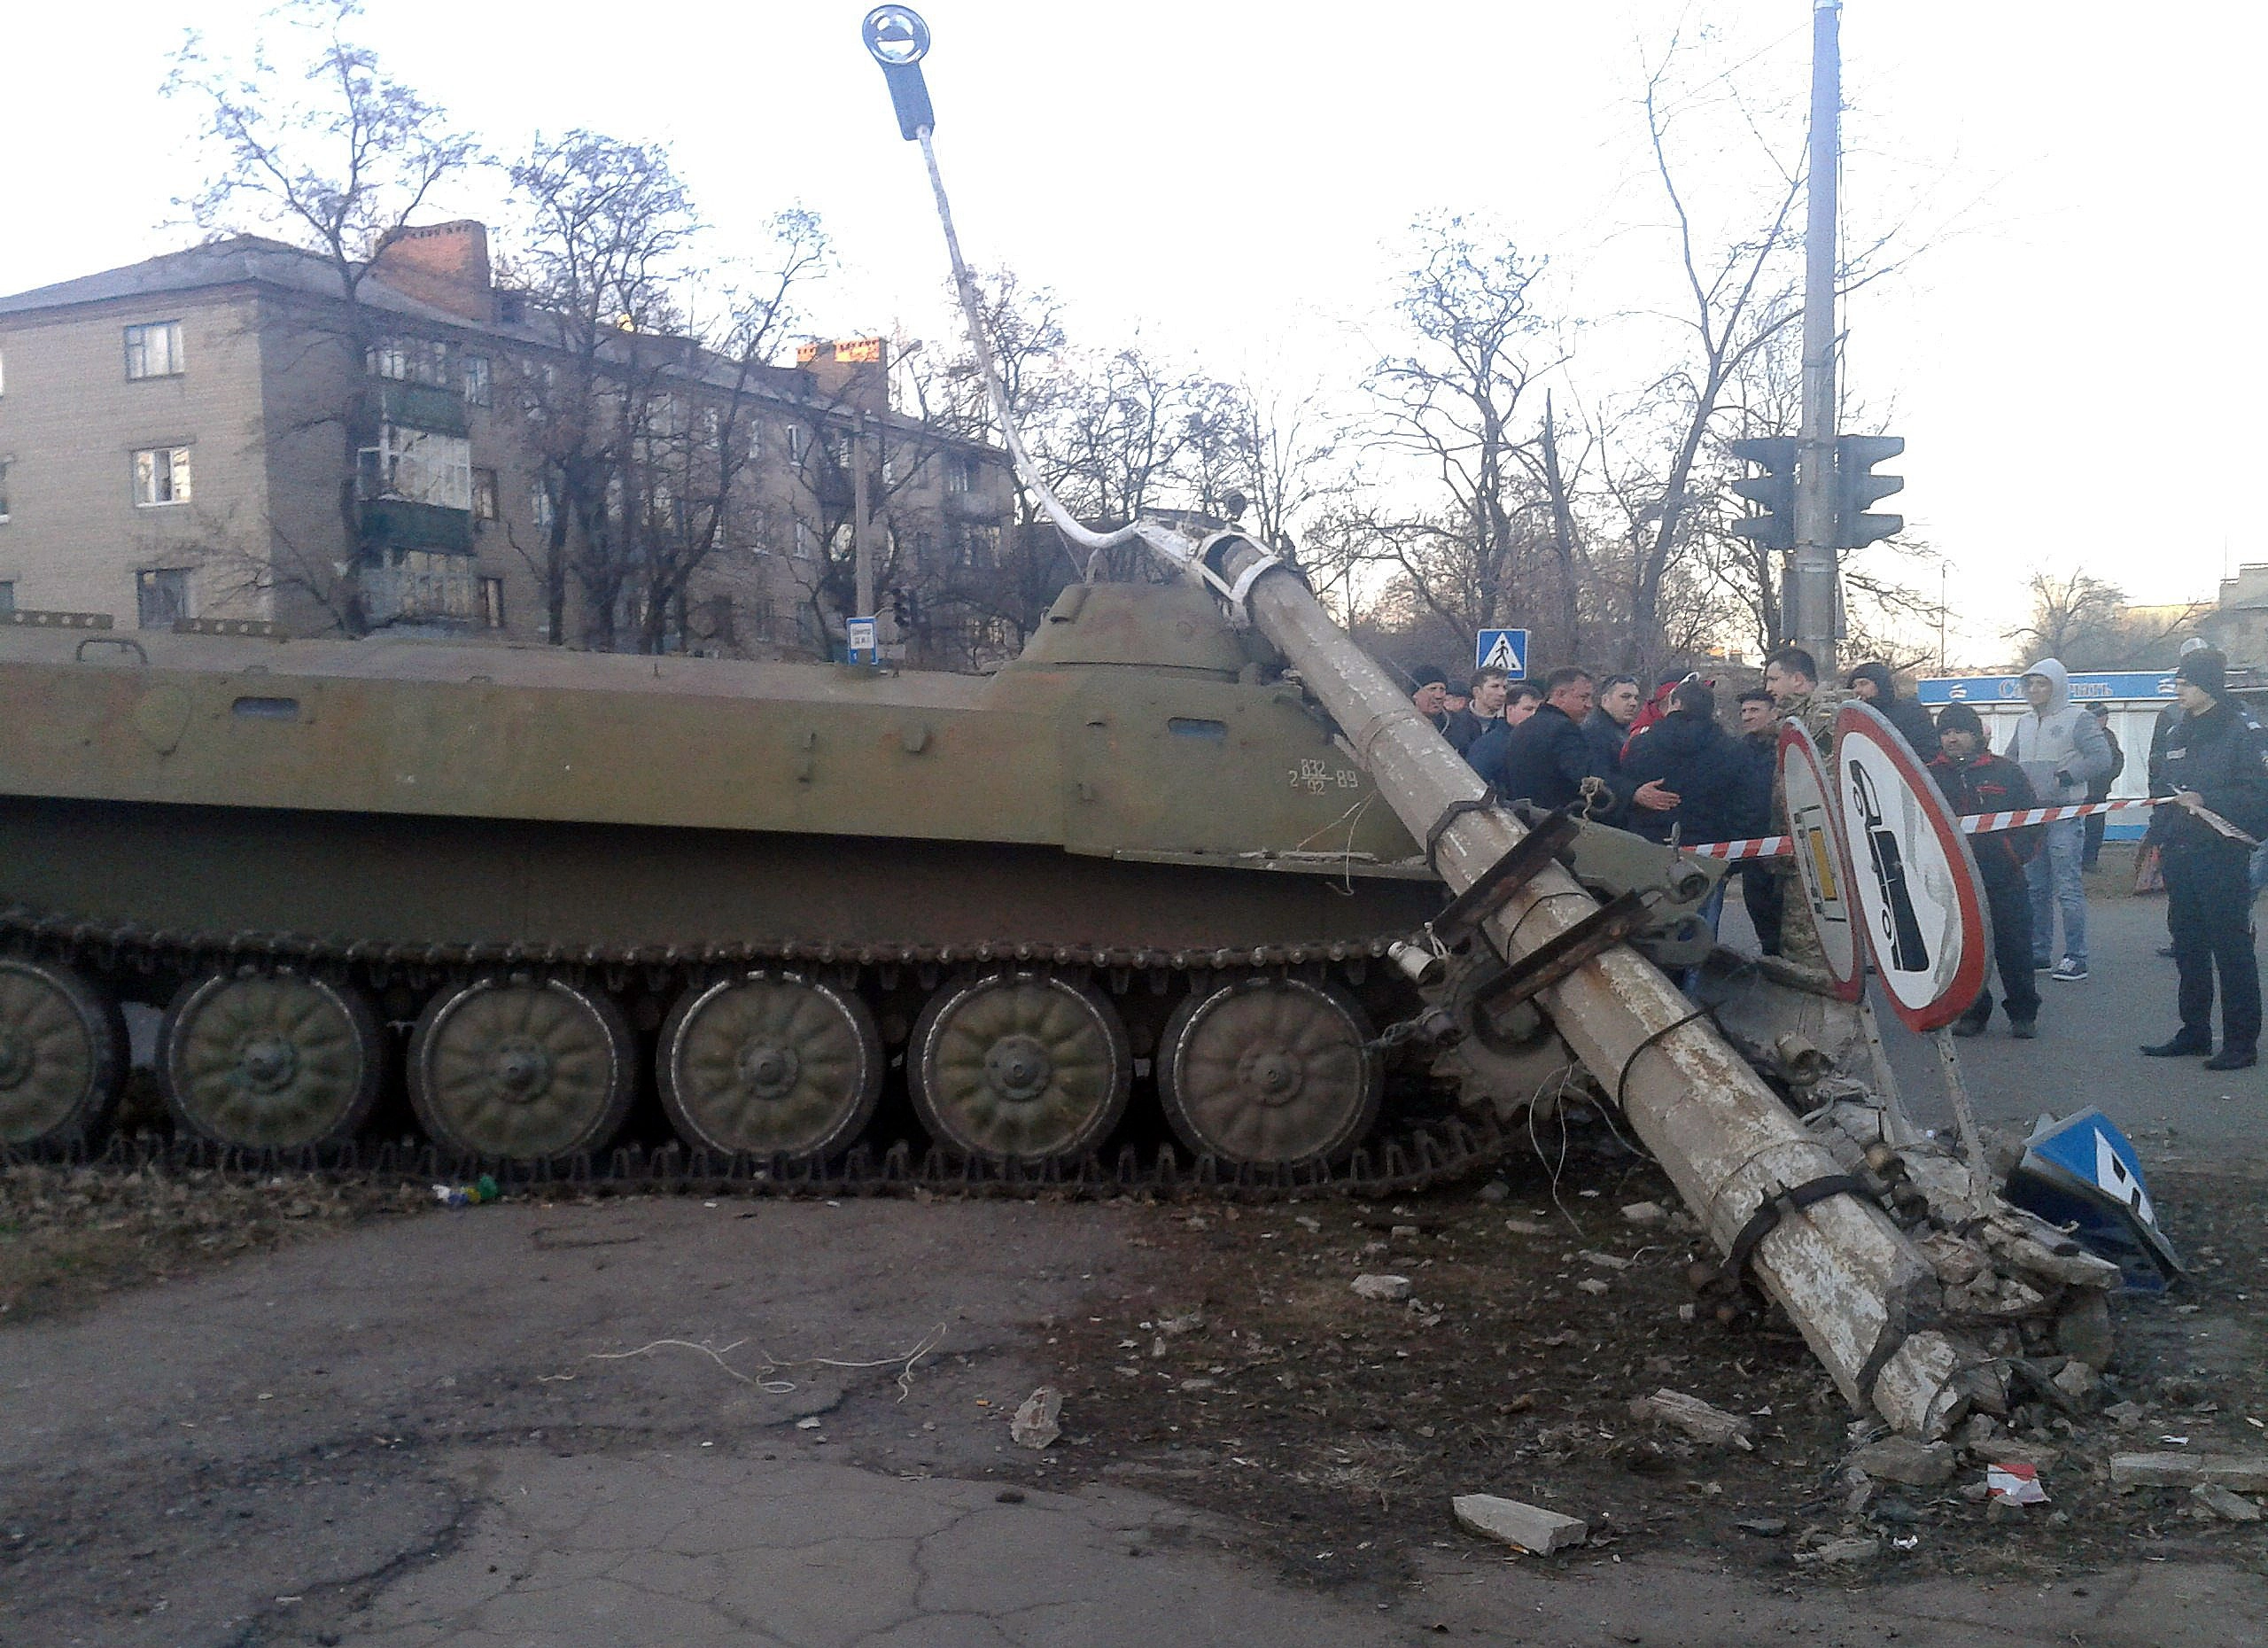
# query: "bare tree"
2085,622
318,145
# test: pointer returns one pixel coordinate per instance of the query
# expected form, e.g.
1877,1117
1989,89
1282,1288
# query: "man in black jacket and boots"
2216,761
1976,781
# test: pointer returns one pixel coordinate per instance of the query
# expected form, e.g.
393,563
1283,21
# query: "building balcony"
395,524
421,587
422,406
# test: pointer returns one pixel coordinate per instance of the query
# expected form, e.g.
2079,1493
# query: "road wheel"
269,1061
62,1055
1022,1068
525,1069
1268,1072
769,1064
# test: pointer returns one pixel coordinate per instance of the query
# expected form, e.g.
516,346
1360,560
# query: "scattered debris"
482,1190
2244,1473
1696,1418
1903,1460
1528,1227
1842,1553
2014,1484
1034,1425
1387,1289
1763,1526
807,1423
1494,1191
1593,1285
1523,1527
2230,1507
1645,1213
1604,1260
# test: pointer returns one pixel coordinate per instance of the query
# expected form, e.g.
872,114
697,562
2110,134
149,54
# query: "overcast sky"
2074,359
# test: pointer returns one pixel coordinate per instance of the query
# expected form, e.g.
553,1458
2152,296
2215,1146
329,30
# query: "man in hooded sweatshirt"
2062,750
2215,760
1874,683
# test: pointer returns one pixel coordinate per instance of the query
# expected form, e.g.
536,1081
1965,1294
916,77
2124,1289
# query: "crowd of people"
1664,767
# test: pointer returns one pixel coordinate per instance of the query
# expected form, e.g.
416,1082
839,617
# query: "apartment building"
220,433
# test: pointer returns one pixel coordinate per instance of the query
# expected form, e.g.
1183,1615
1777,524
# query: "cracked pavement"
428,1431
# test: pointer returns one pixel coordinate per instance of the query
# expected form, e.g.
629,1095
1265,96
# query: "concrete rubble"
1523,1527
1907,1462
1384,1288
1696,1418
2230,1507
1034,1423
2241,1472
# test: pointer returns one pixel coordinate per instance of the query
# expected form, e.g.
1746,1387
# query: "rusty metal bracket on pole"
1495,886
1563,951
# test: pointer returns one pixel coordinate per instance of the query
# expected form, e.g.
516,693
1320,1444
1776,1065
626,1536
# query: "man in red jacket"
1976,781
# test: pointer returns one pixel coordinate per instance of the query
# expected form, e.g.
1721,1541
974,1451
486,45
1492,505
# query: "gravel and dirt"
251,1411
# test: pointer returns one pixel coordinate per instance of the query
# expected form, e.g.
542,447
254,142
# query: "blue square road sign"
1505,649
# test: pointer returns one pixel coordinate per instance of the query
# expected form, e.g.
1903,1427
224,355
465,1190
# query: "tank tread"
1400,1163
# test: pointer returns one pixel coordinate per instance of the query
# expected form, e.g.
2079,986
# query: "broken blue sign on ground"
2082,1172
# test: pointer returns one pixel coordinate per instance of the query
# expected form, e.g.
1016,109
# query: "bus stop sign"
1916,882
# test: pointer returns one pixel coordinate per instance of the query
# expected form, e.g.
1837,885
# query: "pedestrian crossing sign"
1505,649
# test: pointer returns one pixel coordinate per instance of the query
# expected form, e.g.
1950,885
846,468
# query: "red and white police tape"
1974,823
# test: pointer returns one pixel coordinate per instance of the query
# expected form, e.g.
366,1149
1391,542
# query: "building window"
153,350
960,474
541,509
411,361
162,598
160,476
7,595
925,551
418,466
484,495
473,375
491,602
980,546
806,540
4,464
422,586
795,443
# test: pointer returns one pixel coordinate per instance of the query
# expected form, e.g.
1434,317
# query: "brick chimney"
443,264
852,372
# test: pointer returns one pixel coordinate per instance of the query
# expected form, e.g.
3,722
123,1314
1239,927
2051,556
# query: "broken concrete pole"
1524,1526
1846,1275
1909,1462
2243,1473
1696,1418
1386,1289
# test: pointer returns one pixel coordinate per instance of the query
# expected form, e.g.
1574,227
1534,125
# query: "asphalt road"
2177,1112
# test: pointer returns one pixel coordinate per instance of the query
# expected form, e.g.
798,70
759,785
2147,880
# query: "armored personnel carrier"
536,885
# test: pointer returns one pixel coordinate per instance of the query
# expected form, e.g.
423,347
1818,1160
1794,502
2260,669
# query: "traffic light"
1775,528
1856,487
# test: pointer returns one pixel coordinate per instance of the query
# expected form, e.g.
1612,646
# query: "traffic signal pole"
1812,621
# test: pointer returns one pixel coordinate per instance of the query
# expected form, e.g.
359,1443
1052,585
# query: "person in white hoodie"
2061,750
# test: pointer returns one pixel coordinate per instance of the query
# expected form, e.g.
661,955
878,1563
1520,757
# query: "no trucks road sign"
1505,649
1916,881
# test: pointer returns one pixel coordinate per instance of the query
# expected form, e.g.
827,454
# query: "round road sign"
1823,863
1914,879
897,35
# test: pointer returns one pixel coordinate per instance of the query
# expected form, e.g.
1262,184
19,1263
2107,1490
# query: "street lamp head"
896,35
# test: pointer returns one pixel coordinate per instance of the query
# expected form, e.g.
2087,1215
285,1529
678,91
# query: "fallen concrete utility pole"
1851,1280
1846,1274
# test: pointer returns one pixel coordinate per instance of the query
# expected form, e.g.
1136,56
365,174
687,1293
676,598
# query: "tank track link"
1405,1162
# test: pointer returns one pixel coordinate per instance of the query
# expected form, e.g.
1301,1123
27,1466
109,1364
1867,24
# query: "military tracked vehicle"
533,886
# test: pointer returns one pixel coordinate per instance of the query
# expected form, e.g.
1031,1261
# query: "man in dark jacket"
1696,760
1874,683
1976,781
1547,760
1763,887
1429,691
1481,709
2216,761
1608,726
2099,788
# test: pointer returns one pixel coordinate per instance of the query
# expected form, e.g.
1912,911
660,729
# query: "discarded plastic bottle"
483,1189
